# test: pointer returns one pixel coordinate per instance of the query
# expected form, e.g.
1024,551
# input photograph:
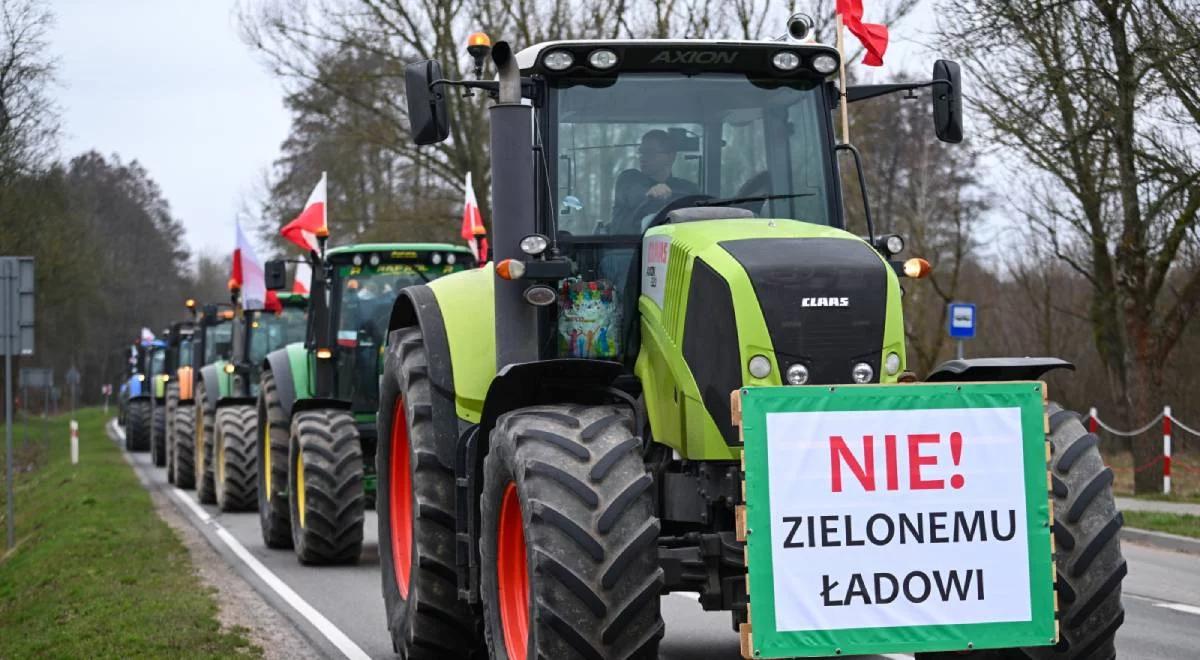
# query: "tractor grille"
710,342
800,284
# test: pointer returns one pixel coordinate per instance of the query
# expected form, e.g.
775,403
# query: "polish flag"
303,279
312,223
248,273
272,303
473,231
874,37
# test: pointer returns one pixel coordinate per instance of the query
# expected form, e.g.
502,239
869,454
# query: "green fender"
293,376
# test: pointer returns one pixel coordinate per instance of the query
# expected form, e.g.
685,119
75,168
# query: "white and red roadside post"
1093,422
74,442
1166,450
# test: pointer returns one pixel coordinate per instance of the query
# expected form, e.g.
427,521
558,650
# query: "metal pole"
960,349
8,409
844,101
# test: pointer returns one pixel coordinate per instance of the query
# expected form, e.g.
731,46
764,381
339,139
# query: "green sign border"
768,642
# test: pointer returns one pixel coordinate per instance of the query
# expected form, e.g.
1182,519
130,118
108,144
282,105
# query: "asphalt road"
1162,593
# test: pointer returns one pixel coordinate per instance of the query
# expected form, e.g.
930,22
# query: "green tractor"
193,418
317,399
228,391
179,358
558,446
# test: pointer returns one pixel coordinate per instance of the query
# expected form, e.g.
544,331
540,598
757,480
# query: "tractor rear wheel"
1088,557
137,433
416,511
272,440
569,537
183,446
158,436
169,440
205,421
234,463
325,487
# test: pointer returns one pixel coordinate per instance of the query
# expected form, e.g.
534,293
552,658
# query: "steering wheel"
673,203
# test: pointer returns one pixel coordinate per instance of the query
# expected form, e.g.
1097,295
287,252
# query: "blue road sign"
962,320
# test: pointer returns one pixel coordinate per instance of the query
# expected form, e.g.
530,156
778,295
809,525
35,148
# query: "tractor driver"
635,190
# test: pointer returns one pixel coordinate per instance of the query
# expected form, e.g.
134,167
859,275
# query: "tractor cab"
212,340
262,331
362,283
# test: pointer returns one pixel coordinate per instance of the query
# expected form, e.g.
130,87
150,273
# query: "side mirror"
947,101
275,275
427,117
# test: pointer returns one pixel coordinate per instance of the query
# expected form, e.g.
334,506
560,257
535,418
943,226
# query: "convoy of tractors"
552,439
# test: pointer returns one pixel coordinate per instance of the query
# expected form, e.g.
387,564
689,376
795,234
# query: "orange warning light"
479,39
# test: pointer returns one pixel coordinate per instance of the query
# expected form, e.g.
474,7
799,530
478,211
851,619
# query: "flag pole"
844,101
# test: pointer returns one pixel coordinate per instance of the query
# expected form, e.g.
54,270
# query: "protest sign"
901,518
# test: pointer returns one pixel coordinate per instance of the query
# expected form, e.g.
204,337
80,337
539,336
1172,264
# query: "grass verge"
96,572
1171,523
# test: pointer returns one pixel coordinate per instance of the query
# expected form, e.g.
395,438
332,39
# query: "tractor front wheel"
169,440
416,510
569,538
274,516
234,458
325,487
183,446
158,436
205,421
137,433
1088,557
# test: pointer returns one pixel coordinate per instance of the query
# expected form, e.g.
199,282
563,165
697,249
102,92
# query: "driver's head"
656,155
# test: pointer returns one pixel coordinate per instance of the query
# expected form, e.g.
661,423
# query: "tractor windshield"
271,330
218,342
158,362
364,296
185,352
626,150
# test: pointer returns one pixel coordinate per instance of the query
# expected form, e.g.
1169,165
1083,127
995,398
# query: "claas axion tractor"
318,397
226,392
557,447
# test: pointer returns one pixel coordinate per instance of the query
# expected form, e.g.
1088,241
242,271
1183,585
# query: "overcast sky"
169,83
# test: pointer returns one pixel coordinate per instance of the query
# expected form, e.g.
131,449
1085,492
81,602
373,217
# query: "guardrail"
1169,423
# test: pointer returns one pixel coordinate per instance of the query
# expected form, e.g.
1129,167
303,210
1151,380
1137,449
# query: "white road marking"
897,656
1180,607
326,627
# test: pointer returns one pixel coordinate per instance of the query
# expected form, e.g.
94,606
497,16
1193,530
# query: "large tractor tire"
1088,558
234,458
169,441
183,446
137,433
273,442
325,487
205,421
569,537
158,436
416,511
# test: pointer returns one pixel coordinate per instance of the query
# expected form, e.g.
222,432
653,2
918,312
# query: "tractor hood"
718,293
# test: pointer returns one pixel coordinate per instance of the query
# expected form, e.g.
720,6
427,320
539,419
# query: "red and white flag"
312,221
473,231
248,273
303,279
874,37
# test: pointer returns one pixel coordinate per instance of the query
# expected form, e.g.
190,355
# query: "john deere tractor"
317,400
178,367
194,416
230,388
558,440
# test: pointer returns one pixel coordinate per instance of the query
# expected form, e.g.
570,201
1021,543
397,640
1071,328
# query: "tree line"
110,255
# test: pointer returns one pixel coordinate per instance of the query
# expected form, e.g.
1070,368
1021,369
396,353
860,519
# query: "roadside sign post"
72,379
16,326
895,519
961,323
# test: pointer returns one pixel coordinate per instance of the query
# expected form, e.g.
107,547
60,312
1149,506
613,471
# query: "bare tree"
28,121
1098,99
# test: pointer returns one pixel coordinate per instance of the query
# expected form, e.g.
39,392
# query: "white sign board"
882,519
656,251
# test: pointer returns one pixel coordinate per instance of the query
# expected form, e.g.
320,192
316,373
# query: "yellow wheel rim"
300,486
266,461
